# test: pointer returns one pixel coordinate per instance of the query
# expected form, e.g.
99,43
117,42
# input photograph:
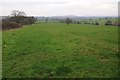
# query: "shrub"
10,25
23,20
108,22
116,23
96,23
16,22
85,22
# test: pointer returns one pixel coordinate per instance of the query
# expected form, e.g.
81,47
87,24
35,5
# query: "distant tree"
90,19
85,22
106,17
108,22
78,22
68,21
29,20
96,23
46,20
21,18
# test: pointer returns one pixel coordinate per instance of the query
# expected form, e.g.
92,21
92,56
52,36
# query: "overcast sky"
61,7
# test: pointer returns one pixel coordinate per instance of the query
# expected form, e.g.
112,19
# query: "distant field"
101,21
56,50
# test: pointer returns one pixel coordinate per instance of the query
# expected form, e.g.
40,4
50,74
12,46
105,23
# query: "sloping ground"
57,50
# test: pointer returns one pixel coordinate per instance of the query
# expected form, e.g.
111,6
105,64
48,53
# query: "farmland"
50,50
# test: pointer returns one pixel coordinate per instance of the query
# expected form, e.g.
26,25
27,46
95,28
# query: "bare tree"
17,16
17,13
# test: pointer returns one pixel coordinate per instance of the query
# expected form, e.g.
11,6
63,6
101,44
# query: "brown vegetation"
17,19
10,25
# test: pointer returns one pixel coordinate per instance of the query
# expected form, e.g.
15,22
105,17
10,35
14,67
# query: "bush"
96,23
108,22
78,22
116,23
23,20
85,22
10,25
16,22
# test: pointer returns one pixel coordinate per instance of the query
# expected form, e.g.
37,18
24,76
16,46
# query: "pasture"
55,50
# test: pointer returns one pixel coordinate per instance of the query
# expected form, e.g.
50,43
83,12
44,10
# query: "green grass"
57,50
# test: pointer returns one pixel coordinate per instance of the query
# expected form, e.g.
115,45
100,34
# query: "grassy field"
56,50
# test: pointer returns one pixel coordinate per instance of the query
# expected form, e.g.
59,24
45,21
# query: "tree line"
108,22
68,21
17,20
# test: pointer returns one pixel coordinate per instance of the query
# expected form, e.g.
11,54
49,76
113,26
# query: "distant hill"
3,17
